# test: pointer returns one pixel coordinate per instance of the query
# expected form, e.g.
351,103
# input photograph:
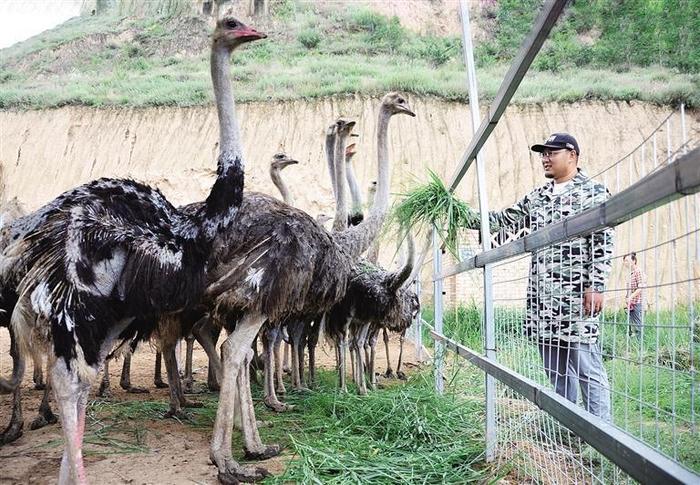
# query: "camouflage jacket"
560,273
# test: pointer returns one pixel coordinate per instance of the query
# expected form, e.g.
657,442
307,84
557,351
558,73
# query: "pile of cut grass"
402,434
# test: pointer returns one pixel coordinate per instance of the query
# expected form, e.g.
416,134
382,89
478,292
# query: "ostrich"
9,212
295,269
376,297
100,261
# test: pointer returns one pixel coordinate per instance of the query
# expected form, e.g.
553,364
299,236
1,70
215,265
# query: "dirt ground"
176,453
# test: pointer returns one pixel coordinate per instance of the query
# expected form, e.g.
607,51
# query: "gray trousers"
636,317
572,364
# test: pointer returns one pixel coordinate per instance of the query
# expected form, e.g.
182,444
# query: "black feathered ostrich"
102,260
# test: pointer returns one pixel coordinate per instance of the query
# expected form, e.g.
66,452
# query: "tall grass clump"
309,38
433,205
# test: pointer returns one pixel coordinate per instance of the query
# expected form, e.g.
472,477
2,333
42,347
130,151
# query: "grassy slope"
104,61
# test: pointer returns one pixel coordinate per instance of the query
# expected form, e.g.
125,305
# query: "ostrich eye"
401,101
231,24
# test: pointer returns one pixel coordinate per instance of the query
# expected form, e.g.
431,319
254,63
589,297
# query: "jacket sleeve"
510,217
601,245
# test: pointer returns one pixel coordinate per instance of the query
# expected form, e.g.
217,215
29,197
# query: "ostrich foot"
176,414
104,392
43,419
136,390
401,375
280,389
235,473
389,374
268,452
277,406
301,389
160,384
11,433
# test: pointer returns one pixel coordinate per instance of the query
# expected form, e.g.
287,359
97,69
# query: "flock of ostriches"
112,263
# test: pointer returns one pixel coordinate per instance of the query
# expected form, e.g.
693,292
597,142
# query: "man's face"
558,163
627,262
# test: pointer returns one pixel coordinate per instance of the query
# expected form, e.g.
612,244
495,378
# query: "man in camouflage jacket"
567,279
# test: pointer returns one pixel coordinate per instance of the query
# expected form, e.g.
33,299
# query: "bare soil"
174,452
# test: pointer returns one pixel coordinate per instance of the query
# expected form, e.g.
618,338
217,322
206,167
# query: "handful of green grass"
433,205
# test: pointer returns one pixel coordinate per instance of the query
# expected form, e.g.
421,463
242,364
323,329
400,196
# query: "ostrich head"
350,152
231,33
280,161
344,126
396,104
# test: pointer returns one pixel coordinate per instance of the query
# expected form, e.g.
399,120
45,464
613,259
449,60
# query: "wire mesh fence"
634,363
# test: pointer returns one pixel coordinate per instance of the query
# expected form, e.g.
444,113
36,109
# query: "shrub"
309,38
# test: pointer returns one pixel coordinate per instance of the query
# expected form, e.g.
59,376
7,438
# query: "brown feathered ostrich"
296,269
99,262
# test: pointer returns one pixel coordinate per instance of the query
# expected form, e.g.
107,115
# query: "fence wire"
640,372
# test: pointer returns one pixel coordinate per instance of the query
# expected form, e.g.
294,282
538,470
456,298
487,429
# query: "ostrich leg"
45,416
234,351
342,349
71,397
177,397
389,371
296,334
14,428
399,372
285,362
158,373
252,444
372,341
207,333
125,381
104,391
312,342
38,376
360,340
188,381
269,335
279,383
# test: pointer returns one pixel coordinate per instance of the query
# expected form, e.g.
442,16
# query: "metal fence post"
437,299
418,328
488,316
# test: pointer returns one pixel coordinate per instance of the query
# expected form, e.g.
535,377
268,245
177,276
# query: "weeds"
318,54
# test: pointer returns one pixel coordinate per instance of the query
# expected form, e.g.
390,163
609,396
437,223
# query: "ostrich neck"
282,187
357,239
227,192
330,157
355,195
229,134
341,206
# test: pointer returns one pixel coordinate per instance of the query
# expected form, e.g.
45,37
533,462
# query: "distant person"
567,279
634,300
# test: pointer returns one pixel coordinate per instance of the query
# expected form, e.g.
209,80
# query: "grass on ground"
653,379
404,433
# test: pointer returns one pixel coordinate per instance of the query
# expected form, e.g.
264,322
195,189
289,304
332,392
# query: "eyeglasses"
550,153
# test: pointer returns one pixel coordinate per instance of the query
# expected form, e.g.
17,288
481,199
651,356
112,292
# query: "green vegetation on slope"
651,378
313,52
